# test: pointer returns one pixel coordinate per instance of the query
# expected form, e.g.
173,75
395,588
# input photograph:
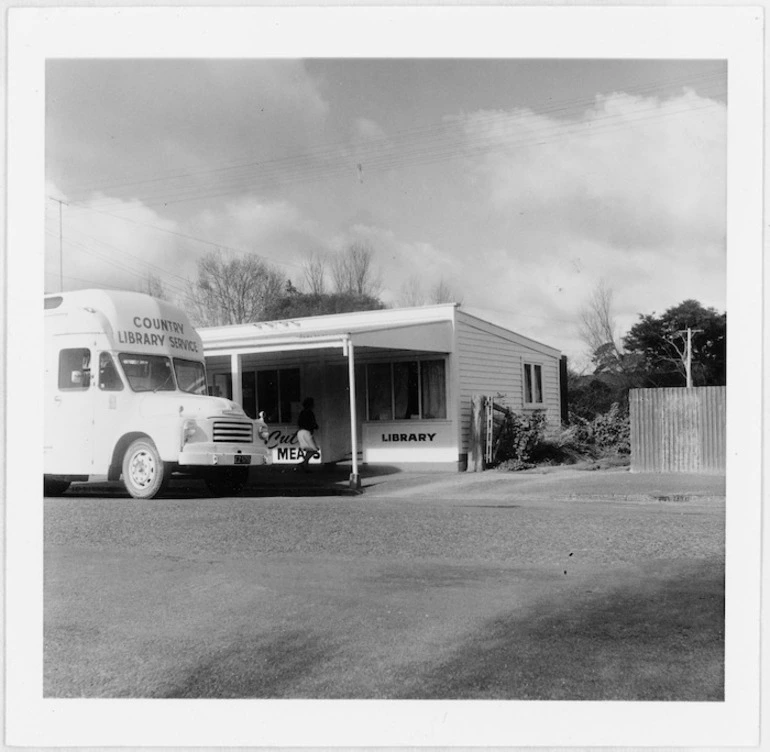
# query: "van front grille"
233,431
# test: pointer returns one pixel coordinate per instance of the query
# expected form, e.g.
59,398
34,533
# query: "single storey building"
391,386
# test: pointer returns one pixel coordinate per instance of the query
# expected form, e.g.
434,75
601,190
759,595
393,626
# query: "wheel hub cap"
142,469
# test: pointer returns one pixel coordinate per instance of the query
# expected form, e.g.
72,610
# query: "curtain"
433,389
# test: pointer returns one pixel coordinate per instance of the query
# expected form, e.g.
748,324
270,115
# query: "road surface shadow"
662,639
260,667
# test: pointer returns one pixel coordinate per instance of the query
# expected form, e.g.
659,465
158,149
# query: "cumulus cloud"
133,121
366,129
629,171
121,248
631,191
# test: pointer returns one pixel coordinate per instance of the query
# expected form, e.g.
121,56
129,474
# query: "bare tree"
314,271
353,271
597,320
442,292
232,290
598,330
411,292
153,286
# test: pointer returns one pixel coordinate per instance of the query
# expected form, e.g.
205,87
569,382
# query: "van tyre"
54,487
145,474
227,481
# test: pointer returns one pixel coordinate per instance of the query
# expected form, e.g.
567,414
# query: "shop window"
406,390
433,377
406,394
533,384
380,390
75,368
109,378
249,393
278,395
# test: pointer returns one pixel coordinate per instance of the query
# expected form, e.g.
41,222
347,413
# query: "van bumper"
214,455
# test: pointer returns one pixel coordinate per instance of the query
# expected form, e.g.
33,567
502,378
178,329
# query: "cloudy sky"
522,184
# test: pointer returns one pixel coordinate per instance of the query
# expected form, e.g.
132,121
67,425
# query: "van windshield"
148,373
190,375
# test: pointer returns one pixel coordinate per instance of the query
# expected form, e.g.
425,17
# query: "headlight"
188,430
261,427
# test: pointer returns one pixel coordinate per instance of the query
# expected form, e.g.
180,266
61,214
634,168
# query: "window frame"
420,415
533,382
75,387
282,419
112,360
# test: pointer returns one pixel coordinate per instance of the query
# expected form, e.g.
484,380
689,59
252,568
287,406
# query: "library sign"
410,441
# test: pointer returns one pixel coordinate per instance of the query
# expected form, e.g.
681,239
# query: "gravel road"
437,588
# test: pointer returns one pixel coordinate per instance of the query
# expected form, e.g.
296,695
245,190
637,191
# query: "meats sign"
284,447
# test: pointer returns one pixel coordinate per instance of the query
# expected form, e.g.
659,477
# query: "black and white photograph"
383,357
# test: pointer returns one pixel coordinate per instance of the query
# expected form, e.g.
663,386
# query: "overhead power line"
204,241
414,146
380,158
82,248
332,150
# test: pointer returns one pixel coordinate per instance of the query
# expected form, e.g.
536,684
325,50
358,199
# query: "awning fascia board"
436,336
419,336
272,347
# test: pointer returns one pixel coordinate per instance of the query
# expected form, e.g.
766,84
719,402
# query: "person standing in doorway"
306,425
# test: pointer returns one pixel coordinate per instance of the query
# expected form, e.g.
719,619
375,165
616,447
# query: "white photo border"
734,34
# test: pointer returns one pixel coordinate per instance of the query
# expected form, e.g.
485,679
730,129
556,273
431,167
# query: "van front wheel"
145,474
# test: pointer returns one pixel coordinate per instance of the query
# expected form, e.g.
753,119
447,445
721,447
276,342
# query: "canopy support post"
237,382
355,478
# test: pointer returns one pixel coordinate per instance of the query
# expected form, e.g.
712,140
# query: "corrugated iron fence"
678,430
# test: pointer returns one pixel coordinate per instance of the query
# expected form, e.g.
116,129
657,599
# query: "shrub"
518,437
607,433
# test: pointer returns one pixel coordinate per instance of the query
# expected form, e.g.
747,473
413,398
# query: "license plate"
242,459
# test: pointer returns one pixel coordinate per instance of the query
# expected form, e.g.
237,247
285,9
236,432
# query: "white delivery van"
126,395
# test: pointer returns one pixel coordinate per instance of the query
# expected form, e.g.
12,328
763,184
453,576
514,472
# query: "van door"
69,413
111,397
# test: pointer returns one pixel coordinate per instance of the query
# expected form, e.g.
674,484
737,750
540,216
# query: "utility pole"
688,353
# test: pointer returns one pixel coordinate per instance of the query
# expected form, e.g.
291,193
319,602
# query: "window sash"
109,376
277,394
533,384
406,390
74,360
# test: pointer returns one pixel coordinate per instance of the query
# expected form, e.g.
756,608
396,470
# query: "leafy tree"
236,290
658,342
591,395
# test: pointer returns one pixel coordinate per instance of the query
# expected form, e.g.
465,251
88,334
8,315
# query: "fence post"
477,439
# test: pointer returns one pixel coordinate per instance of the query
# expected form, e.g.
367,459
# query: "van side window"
109,378
75,368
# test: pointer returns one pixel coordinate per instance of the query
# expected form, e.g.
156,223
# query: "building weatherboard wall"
415,372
